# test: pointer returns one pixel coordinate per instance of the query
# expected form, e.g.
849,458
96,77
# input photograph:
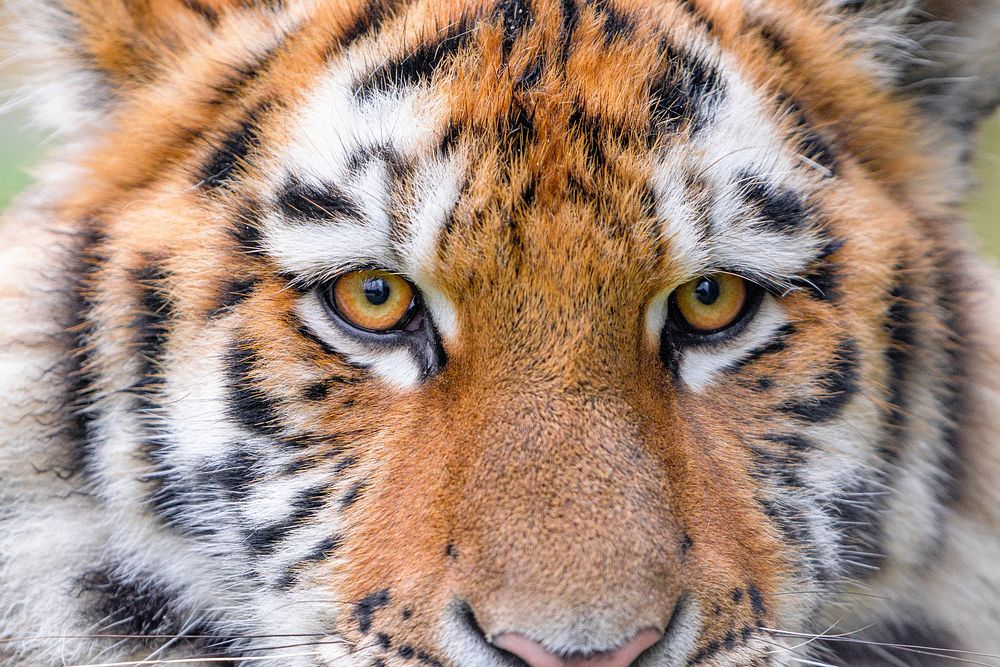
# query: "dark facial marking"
247,230
531,75
317,391
516,17
616,24
570,19
248,405
780,210
696,12
364,611
836,387
308,504
220,169
151,323
368,22
756,601
353,494
684,93
321,552
777,344
135,604
235,292
88,258
308,202
416,66
812,144
237,473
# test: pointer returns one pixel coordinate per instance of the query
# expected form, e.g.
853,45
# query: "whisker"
950,653
195,660
32,638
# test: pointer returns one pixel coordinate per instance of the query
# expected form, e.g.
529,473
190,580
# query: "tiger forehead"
551,126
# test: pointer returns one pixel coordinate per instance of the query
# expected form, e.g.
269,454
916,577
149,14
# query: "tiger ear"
80,56
943,53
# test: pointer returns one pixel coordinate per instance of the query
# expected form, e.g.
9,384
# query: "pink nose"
536,655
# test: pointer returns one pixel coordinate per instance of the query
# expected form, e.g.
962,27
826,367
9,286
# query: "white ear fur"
53,78
78,55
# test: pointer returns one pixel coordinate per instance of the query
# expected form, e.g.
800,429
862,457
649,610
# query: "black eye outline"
684,335
412,322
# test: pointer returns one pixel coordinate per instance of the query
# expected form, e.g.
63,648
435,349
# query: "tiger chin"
507,332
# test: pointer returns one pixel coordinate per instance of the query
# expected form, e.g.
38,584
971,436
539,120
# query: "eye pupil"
707,291
377,291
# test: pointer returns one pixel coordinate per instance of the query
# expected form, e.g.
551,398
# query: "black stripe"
953,298
812,144
857,510
778,343
233,293
417,66
835,388
80,370
134,603
308,202
242,76
232,152
823,278
515,17
321,552
247,230
570,20
151,324
237,473
177,496
531,75
317,391
353,494
781,209
778,467
308,504
900,356
210,15
598,134
517,131
792,441
616,24
365,609
307,333
696,12
248,405
370,20
684,94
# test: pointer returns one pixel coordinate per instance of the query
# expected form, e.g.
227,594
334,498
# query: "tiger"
450,333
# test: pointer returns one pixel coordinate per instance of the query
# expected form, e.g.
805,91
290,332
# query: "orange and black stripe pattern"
494,332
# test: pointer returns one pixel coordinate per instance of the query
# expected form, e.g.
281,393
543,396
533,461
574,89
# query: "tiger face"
545,332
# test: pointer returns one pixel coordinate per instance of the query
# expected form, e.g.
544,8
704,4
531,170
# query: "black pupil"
707,291
377,291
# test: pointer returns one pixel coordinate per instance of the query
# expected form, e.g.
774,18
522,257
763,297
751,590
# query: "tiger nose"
536,655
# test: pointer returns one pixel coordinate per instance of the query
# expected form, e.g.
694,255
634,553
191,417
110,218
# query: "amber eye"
711,303
373,300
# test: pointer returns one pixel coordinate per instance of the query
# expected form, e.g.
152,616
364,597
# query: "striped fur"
197,457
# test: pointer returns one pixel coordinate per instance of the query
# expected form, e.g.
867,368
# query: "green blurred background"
22,146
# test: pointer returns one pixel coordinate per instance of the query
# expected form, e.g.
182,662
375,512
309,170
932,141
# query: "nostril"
534,654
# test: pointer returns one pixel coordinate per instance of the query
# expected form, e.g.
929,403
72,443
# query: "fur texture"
198,459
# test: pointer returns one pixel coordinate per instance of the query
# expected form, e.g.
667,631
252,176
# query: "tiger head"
571,332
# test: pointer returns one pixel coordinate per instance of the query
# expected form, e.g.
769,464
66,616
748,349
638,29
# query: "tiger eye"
711,303
373,300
